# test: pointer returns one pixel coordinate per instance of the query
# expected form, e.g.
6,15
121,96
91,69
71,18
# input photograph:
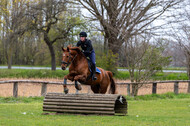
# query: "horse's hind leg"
77,86
95,88
103,89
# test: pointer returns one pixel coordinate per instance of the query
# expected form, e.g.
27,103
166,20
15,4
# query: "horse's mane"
77,49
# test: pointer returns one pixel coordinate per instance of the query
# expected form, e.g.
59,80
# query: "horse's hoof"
66,91
78,87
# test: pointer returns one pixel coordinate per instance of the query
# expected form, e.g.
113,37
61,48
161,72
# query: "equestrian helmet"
83,34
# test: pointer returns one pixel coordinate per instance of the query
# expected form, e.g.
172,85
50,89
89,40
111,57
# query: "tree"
122,19
46,17
14,23
144,60
181,34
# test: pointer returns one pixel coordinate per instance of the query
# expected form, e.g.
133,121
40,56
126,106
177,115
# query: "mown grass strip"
123,75
169,95
22,73
165,112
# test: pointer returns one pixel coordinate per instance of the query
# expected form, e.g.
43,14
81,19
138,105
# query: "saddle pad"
98,71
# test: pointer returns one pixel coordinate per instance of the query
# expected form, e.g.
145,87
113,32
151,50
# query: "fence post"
128,90
44,89
176,86
188,88
154,87
15,89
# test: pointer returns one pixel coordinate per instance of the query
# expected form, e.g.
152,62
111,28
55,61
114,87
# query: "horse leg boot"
77,86
94,72
66,90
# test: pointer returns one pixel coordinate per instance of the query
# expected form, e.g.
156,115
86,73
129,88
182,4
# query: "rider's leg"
93,60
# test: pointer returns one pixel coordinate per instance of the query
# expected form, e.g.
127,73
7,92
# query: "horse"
79,71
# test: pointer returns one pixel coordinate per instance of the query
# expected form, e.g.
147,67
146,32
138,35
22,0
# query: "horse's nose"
63,68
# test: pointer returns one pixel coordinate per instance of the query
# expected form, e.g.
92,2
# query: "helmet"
83,34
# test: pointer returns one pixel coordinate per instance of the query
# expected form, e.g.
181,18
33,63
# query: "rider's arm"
78,43
89,47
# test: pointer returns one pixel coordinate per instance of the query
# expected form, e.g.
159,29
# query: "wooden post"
128,90
176,86
188,90
15,89
44,89
154,88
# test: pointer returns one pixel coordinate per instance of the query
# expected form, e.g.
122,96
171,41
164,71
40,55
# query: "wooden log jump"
107,104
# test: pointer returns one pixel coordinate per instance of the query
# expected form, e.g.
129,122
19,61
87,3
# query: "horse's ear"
63,49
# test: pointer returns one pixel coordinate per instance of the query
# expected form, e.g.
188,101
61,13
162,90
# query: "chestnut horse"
79,71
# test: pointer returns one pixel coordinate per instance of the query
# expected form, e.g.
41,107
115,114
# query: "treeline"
33,32
124,33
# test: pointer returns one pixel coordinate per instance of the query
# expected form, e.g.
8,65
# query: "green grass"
170,76
165,68
22,73
21,99
174,68
169,95
123,75
143,112
29,65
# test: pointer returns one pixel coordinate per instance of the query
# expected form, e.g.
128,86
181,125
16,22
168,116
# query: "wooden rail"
43,89
44,85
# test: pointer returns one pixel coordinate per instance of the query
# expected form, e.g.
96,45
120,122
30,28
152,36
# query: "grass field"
122,75
164,111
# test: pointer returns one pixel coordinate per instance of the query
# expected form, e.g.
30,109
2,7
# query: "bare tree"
122,19
14,25
46,16
144,59
181,34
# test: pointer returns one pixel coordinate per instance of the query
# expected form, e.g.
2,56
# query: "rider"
88,51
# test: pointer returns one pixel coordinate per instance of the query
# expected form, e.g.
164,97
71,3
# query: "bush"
108,61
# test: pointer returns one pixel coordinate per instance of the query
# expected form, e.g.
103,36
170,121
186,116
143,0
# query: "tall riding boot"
94,72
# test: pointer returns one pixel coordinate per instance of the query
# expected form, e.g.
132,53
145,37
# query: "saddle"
90,68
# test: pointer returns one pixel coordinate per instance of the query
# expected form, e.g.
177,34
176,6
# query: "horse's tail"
113,85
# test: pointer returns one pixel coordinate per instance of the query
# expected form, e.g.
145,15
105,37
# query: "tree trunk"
113,44
8,51
51,49
134,90
52,52
17,52
188,72
105,44
9,58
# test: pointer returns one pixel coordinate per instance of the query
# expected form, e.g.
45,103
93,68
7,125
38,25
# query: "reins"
63,62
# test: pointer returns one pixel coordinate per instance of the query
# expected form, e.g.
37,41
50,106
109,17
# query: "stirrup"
94,78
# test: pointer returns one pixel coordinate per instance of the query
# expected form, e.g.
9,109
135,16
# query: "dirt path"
28,89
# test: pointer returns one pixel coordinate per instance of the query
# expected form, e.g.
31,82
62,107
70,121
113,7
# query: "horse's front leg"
66,90
78,86
79,78
69,76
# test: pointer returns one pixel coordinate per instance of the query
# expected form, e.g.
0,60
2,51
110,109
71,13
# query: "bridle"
67,63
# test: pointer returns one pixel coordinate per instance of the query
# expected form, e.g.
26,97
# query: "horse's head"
69,55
